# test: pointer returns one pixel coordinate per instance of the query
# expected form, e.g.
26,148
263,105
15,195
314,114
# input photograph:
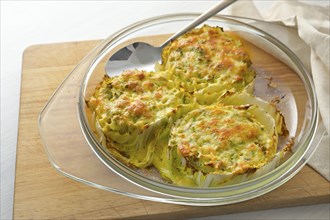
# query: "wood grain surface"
42,193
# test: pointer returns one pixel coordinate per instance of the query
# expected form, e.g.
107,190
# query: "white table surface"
24,23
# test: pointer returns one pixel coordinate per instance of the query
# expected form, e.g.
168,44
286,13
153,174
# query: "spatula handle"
212,11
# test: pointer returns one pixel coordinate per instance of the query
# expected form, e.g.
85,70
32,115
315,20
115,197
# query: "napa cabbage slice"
223,143
208,62
131,111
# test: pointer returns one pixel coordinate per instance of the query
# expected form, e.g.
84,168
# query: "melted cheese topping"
136,98
222,139
209,62
131,107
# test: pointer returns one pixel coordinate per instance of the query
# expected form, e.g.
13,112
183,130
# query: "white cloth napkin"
307,29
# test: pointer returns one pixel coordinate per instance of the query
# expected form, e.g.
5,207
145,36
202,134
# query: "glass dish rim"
306,78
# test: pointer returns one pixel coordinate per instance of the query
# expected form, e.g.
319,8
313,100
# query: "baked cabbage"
223,142
194,118
132,110
208,62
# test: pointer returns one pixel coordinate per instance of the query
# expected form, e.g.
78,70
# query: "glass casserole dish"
76,152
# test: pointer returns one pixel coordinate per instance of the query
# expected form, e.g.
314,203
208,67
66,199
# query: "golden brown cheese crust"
132,108
222,139
136,98
208,56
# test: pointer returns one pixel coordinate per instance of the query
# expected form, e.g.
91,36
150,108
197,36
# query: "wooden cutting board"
42,193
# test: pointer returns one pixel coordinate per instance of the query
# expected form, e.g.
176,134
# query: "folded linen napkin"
307,28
